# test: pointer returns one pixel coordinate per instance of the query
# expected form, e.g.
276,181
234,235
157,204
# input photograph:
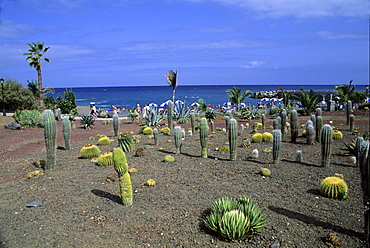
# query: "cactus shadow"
302,163
100,193
314,221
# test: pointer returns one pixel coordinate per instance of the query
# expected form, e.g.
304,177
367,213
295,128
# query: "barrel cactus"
103,141
121,167
337,135
48,120
125,142
105,159
267,137
334,188
147,131
265,172
89,151
257,138
276,145
326,141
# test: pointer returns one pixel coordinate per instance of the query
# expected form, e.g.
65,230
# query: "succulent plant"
103,141
310,134
326,141
150,182
125,142
276,145
147,131
178,138
351,122
319,123
265,172
334,188
267,137
263,120
203,137
246,142
233,135
121,167
89,151
155,135
337,135
48,120
224,148
115,124
257,138
235,218
105,159
169,158
140,152
87,121
169,114
283,123
349,111
293,126
66,129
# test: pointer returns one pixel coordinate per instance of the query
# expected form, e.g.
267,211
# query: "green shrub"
28,118
66,103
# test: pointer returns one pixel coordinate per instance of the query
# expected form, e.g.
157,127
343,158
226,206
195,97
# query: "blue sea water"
129,97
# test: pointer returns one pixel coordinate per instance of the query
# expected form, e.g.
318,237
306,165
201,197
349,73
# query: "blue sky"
235,42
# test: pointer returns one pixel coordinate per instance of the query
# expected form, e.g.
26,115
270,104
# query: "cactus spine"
169,114
192,121
263,121
203,136
283,122
178,138
121,167
326,141
155,136
115,124
233,135
276,145
48,121
351,122
66,129
349,110
319,124
293,125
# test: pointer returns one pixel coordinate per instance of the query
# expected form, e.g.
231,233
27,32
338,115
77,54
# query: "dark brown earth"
81,209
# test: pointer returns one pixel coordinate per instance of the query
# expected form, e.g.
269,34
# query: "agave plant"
154,117
235,218
180,110
87,121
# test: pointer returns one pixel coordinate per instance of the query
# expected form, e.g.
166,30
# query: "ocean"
215,95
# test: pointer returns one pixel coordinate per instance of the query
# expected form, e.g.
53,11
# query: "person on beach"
138,109
93,111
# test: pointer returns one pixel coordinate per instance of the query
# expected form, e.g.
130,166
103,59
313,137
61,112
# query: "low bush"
28,118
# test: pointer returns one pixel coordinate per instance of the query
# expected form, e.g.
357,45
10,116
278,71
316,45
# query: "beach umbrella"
242,105
195,104
163,105
178,101
265,99
228,104
152,105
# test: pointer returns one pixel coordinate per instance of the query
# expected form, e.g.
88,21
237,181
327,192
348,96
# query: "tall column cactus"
276,145
310,134
233,135
155,136
351,122
115,124
349,110
263,121
318,112
319,123
227,121
283,122
48,120
66,129
359,141
121,167
326,141
293,126
277,123
170,114
203,136
192,121
178,138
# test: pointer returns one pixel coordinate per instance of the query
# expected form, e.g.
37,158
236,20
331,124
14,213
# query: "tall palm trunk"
39,80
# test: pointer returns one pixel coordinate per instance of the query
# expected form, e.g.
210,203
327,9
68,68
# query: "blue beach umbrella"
152,105
194,104
163,105
228,104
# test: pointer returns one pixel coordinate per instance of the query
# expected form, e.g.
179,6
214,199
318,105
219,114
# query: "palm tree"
171,78
236,95
286,98
36,51
308,100
345,91
34,88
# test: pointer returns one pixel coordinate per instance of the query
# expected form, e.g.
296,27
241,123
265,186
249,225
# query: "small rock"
37,203
12,126
275,245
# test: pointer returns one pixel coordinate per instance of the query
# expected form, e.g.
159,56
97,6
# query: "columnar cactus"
276,145
227,121
155,136
169,114
298,156
359,141
313,119
233,135
203,128
310,135
293,125
115,124
318,112
66,129
58,114
277,123
178,138
192,121
349,110
48,120
121,167
319,124
283,122
351,122
263,121
326,141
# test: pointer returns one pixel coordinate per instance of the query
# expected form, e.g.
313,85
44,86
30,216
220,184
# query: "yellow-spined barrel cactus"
150,182
148,131
89,151
169,158
104,141
267,137
105,159
337,135
265,172
257,138
334,187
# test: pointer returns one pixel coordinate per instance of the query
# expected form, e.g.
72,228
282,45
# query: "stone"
12,126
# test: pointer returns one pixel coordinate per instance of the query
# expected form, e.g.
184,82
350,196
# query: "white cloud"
304,8
253,64
10,30
334,35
